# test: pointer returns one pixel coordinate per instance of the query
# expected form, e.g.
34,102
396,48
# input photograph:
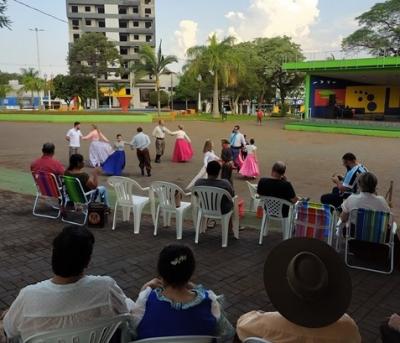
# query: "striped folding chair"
314,220
373,227
81,199
48,188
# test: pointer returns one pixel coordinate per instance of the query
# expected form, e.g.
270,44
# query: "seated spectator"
310,287
344,186
47,163
213,169
179,308
89,183
390,332
277,186
70,297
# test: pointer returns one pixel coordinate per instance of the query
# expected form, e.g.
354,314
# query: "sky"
318,25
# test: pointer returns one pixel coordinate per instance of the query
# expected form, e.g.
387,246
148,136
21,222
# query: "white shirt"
251,149
159,131
367,201
210,156
74,137
48,306
237,140
140,141
180,134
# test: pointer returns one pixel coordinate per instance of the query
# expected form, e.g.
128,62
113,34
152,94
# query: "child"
250,165
115,163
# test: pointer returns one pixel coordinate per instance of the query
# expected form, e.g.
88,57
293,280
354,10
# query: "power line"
40,11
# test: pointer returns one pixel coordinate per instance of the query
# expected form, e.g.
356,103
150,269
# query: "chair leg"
198,224
251,207
115,216
156,222
137,217
179,224
126,213
263,229
225,230
165,219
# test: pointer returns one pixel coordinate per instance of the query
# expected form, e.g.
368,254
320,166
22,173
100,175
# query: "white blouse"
180,134
251,149
210,156
47,306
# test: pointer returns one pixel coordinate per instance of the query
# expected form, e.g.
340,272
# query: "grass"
360,130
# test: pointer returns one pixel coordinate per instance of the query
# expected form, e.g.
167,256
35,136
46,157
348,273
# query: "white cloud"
186,36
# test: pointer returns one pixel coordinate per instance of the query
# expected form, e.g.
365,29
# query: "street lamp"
199,107
171,93
48,83
36,30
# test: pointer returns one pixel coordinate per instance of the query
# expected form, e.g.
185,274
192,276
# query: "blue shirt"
352,175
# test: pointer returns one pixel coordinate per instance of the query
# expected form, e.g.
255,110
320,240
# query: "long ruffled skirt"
183,151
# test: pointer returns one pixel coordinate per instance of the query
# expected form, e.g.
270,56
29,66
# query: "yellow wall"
106,92
394,101
356,93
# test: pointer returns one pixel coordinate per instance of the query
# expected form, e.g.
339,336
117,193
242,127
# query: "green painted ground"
83,118
360,130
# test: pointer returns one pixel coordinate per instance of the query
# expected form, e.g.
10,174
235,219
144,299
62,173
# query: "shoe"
157,161
142,172
148,174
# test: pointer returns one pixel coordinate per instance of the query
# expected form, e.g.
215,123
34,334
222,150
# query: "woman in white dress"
99,148
183,151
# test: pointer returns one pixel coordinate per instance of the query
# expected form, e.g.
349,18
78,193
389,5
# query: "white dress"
99,150
208,157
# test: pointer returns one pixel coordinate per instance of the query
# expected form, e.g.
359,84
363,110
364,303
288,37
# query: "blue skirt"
114,164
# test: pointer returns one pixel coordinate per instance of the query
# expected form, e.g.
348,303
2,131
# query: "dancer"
99,148
250,165
209,155
73,137
159,134
260,115
115,163
236,141
141,143
183,151
227,162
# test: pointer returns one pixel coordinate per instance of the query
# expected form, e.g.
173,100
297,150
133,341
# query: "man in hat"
310,287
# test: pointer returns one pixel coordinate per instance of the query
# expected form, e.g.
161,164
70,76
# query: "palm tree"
214,58
5,21
153,65
4,89
31,81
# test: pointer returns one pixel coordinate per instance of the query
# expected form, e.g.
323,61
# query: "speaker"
97,215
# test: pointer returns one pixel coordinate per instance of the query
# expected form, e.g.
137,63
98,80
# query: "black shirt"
226,205
278,189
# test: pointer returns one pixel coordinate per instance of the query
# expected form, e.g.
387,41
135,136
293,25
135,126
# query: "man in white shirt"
141,143
237,142
159,134
74,138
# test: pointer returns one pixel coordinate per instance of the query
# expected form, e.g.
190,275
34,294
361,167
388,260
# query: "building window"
87,8
147,10
123,37
124,76
123,24
148,38
75,24
135,24
136,49
147,24
136,37
100,9
76,36
145,94
123,50
102,23
88,22
122,10
74,9
135,9
147,2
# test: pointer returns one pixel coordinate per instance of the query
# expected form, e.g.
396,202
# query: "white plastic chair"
166,194
179,339
255,340
272,210
124,190
209,200
100,331
254,197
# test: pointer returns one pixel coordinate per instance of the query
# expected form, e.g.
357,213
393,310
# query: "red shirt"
49,165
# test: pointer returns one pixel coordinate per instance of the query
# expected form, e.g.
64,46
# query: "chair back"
124,188
179,339
369,226
166,193
274,206
47,184
314,220
100,331
209,199
255,340
74,189
252,189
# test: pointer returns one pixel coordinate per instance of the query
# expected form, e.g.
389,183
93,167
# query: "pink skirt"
183,151
250,167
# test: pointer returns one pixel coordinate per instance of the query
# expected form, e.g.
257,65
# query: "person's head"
208,146
94,127
72,250
278,169
176,265
119,137
48,149
213,169
77,125
161,122
225,143
139,129
367,182
349,160
180,127
252,141
236,128
76,162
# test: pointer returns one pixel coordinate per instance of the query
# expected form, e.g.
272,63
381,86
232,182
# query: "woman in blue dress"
115,163
179,308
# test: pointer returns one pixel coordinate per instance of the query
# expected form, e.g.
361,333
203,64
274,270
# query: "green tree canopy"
4,89
67,87
153,98
379,31
31,81
5,21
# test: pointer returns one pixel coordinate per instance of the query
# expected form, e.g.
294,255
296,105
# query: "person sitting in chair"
47,163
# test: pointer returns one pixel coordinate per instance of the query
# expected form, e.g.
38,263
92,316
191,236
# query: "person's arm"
173,133
60,168
187,137
344,216
148,142
394,322
292,194
93,180
104,138
88,136
67,136
120,303
154,133
14,316
339,184
224,327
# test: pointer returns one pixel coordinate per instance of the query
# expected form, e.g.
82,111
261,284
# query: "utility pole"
36,30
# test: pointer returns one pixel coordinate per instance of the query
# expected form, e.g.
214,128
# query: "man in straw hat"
308,283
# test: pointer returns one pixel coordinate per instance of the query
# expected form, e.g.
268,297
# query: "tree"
4,89
92,55
160,97
153,65
6,77
5,22
31,81
215,58
379,31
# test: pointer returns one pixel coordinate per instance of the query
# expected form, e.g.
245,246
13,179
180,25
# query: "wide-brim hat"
307,282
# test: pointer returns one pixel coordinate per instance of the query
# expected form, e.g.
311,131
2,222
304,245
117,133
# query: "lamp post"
172,91
199,108
36,30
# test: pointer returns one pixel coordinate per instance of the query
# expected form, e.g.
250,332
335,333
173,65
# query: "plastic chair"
273,208
179,339
74,190
48,187
254,197
255,340
100,331
369,226
314,220
209,200
167,194
124,189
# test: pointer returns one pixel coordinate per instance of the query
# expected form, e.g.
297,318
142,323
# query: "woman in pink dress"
250,166
183,151
99,148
